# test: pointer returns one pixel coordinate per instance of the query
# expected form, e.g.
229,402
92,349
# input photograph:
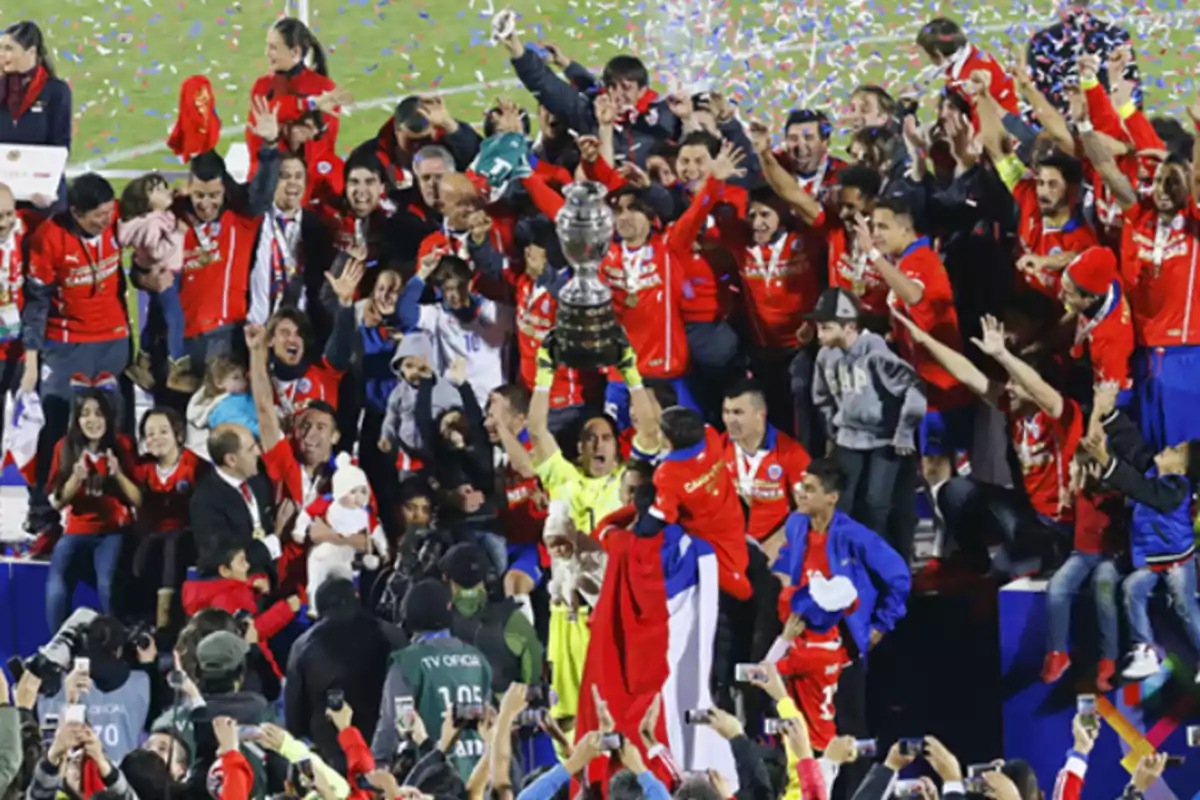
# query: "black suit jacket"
220,516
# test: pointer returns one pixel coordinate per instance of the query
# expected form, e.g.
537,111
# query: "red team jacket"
165,498
1158,266
12,273
1041,240
215,284
88,299
101,511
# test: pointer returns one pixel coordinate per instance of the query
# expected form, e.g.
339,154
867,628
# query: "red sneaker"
43,545
1105,671
1055,666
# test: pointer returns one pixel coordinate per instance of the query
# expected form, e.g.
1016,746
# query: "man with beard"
806,146
291,255
462,324
1159,257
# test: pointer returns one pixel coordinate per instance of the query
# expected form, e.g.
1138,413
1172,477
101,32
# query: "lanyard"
457,242
360,230
284,233
1085,329
814,185
248,498
631,263
208,243
771,270
93,263
10,279
747,467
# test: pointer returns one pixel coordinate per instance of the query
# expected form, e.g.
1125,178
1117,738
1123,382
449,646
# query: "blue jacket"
1162,525
878,573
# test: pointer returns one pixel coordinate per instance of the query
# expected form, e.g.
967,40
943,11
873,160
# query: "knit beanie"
1094,270
427,607
347,477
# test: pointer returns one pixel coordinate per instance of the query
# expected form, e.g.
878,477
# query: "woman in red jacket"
89,482
166,478
293,88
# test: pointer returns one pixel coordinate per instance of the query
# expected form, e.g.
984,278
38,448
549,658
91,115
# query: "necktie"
245,487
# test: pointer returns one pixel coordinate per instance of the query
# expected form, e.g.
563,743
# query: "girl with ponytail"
298,84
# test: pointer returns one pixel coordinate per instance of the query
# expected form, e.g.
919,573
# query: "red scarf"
197,129
18,92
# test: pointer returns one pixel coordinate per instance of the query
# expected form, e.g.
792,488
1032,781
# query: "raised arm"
1054,123
537,424
341,340
781,181
269,432
1104,163
1046,396
953,361
1194,113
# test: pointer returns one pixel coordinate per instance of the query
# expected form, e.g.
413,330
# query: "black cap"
835,305
427,607
465,564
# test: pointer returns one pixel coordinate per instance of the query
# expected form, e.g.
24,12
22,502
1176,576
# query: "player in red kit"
695,491
947,47
1160,256
806,135
921,289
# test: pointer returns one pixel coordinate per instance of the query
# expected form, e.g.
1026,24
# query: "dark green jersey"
437,673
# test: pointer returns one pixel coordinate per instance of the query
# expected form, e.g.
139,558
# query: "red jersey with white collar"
14,257
1158,265
705,292
849,269
536,310
1108,340
766,479
326,181
288,97
216,272
319,382
100,510
695,491
811,668
88,300
1041,239
647,286
1045,447
166,493
781,282
935,315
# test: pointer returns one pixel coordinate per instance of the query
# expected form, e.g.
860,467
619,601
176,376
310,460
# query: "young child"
225,397
411,363
348,512
156,236
231,587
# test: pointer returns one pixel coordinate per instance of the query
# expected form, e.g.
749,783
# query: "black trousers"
850,708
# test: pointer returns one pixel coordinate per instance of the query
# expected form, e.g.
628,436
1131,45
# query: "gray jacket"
868,396
46,779
119,716
11,753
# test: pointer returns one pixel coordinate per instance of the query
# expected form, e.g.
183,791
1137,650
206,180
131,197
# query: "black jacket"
348,650
47,123
219,515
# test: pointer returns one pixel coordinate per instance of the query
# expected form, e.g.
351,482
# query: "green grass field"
126,58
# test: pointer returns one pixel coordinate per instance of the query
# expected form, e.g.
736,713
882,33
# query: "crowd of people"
375,538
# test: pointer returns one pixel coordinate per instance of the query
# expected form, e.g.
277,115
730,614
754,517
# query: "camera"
54,658
612,741
142,636
907,788
244,620
866,748
1193,736
697,716
773,726
468,715
536,694
912,747
1085,706
749,673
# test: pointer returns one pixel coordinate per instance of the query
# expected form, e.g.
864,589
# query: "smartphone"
975,784
773,726
912,747
335,699
83,664
1085,706
405,713
749,673
362,783
468,714
49,729
697,716
531,717
1193,735
76,712
974,770
612,741
535,694
1176,761
906,788
306,768
249,732
866,748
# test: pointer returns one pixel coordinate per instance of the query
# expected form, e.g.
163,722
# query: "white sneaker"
1143,664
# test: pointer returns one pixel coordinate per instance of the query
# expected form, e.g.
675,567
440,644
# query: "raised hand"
225,729
256,337
589,149
760,136
507,117
557,57
429,264
992,343
1089,66
680,105
433,109
457,374
605,109
648,727
328,102
634,175
728,162
480,225
266,120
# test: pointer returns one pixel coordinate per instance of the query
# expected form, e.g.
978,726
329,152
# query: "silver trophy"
586,331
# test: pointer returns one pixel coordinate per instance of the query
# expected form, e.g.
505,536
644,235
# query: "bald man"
467,231
233,503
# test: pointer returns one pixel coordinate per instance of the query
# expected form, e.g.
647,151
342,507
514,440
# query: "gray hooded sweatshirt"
400,421
868,396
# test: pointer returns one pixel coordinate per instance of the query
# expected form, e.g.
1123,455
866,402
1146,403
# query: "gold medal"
858,287
4,299
258,532
631,299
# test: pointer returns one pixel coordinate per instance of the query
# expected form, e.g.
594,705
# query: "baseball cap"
464,564
221,652
835,305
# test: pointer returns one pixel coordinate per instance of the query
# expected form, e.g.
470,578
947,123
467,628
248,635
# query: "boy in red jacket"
234,590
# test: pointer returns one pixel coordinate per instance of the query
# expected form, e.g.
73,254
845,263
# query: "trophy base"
588,336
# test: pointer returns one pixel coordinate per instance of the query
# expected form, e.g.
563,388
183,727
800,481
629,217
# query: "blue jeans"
171,309
1181,589
1065,584
73,555
495,547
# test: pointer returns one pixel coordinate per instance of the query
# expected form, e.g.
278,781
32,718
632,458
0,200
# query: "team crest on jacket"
304,386
183,487
324,167
774,472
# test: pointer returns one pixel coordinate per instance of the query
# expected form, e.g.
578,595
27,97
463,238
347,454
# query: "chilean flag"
21,435
652,632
